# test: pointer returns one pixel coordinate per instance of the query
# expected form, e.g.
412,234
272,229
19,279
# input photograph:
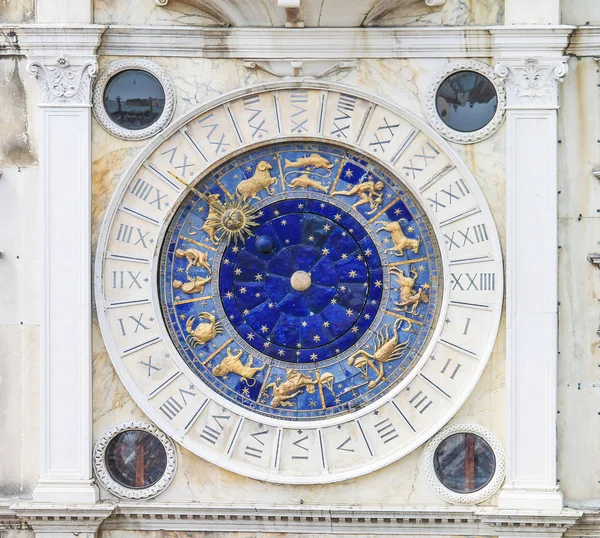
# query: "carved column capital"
64,62
531,82
63,82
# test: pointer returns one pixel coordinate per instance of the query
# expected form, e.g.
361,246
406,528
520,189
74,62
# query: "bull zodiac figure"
233,364
387,348
401,242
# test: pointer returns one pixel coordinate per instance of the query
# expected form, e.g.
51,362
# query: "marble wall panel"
579,287
16,11
197,81
323,13
580,12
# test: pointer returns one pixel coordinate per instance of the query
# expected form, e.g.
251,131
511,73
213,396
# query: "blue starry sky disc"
312,298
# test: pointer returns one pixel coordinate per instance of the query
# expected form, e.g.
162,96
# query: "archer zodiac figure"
408,295
387,348
368,192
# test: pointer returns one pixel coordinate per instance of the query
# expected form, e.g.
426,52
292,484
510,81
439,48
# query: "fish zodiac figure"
367,192
262,179
408,296
304,182
387,348
233,364
401,242
204,331
290,388
313,161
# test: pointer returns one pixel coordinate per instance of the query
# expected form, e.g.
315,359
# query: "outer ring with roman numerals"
331,449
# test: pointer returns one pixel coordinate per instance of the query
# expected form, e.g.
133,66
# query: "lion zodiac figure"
387,348
232,363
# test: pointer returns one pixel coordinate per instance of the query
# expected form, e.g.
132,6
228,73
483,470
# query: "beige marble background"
199,80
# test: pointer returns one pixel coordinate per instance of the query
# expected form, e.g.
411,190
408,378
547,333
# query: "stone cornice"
501,42
448,520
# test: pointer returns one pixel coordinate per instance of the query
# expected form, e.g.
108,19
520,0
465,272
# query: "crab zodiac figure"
293,385
408,296
204,331
368,192
387,348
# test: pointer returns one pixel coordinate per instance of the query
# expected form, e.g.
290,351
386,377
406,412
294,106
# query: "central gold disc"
301,281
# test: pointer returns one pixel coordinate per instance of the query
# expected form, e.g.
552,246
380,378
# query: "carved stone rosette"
531,82
64,81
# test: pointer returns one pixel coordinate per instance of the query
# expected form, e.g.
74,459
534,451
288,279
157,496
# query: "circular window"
133,99
464,462
466,101
135,460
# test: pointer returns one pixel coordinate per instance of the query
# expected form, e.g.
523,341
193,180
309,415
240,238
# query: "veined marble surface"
579,287
197,81
323,13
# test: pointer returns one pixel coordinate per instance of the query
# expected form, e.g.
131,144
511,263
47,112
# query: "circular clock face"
299,285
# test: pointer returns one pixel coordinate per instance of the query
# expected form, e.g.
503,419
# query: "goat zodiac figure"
387,348
408,296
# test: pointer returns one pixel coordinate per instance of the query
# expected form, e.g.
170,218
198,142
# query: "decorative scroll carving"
385,7
64,82
307,69
532,82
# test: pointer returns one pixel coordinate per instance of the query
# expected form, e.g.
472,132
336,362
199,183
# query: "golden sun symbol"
231,221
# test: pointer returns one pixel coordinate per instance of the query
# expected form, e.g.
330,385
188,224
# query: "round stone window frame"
475,497
458,136
103,475
103,117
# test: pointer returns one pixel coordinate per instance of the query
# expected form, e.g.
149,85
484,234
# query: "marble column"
63,60
531,267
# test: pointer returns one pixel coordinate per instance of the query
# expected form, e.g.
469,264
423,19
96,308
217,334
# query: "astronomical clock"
300,284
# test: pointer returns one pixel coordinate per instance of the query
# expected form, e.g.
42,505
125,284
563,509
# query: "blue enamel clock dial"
300,280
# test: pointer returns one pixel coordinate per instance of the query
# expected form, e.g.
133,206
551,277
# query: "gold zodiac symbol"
204,331
314,161
368,192
195,258
408,296
233,364
401,242
387,348
290,388
304,182
210,224
262,179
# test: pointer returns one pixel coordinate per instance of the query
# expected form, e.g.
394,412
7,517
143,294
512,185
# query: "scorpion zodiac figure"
204,331
387,348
